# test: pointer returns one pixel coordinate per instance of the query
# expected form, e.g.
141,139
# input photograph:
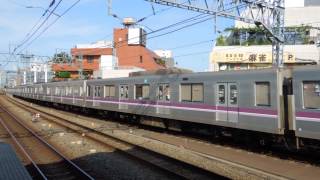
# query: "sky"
88,21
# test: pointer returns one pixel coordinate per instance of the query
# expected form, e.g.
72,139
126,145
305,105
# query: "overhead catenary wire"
46,28
164,28
200,16
28,37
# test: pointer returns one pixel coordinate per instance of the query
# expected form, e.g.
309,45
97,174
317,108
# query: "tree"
62,57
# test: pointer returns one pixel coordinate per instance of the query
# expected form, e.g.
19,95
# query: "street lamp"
45,10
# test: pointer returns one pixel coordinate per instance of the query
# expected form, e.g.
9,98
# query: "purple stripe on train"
186,105
309,115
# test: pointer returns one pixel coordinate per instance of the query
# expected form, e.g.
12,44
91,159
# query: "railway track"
176,169
46,162
249,165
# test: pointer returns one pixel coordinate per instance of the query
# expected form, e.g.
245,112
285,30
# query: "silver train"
273,105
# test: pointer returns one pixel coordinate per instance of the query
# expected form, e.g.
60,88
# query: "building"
247,47
8,78
131,50
255,57
105,59
85,59
34,73
166,55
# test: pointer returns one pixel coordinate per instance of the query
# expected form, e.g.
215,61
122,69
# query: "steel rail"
96,132
22,149
73,165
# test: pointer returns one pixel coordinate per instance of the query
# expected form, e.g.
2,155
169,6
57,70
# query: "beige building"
253,57
302,37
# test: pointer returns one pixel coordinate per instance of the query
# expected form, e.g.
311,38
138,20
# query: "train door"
123,96
227,102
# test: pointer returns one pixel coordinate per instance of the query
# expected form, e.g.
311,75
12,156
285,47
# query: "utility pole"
109,7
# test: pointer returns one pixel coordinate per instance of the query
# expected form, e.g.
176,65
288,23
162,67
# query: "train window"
263,94
185,92
164,92
75,91
62,91
142,91
222,94
80,91
233,94
109,91
57,91
97,91
192,92
124,92
89,91
70,90
311,94
197,92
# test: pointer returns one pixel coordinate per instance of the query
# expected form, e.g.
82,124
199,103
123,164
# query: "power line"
201,16
38,28
46,28
183,27
191,54
191,19
192,44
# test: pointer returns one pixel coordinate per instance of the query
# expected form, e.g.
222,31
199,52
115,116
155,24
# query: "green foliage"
62,57
63,74
258,36
221,41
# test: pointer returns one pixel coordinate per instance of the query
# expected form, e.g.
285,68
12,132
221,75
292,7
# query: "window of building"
141,59
164,92
90,59
263,94
142,91
109,91
191,92
311,94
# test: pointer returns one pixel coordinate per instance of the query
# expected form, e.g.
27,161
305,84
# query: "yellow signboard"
248,57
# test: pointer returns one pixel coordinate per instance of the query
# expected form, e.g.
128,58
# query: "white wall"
294,3
106,62
163,53
109,73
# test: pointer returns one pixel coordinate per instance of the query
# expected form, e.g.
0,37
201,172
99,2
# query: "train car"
306,112
250,100
257,101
